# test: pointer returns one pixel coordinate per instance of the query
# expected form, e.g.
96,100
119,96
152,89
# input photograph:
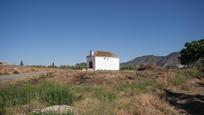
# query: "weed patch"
141,87
179,79
104,94
50,93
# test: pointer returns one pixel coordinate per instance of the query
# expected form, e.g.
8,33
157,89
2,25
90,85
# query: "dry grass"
109,93
100,77
25,109
12,69
144,104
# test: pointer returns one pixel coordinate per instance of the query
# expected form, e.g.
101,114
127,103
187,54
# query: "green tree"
80,66
53,65
192,52
21,64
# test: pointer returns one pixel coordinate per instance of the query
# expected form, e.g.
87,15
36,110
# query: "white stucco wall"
106,63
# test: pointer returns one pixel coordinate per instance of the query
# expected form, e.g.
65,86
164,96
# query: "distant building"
180,66
102,60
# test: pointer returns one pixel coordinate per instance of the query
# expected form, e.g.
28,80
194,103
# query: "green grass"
180,79
104,94
199,74
100,92
46,92
55,94
139,87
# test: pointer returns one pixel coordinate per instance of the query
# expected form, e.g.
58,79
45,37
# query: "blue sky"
63,31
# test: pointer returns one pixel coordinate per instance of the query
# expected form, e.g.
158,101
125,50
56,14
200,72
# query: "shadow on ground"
193,104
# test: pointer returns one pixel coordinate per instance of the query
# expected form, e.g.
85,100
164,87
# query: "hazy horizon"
40,32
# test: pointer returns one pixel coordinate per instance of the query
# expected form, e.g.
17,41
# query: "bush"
200,64
127,68
48,75
15,72
147,67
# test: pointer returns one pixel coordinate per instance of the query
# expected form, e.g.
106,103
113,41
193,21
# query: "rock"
61,109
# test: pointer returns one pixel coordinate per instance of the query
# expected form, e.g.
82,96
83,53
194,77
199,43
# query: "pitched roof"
104,54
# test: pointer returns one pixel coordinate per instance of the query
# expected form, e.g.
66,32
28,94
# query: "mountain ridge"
163,61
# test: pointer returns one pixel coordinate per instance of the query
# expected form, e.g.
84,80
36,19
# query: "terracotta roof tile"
104,54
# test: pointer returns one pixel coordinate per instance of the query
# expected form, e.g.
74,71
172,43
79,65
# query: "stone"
61,109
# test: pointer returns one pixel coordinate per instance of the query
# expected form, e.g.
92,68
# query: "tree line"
78,66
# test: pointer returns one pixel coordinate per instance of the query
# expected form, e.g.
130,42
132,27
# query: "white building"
102,60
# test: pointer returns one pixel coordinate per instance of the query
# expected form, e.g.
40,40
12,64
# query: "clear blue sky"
63,31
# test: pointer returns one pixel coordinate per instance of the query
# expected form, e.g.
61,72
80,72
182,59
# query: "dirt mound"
99,77
189,96
145,104
192,104
149,67
162,78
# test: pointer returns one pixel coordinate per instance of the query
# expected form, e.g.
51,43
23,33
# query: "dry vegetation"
12,69
101,92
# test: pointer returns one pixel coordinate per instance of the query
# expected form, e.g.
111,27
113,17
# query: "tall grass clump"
45,92
55,94
180,78
104,94
16,95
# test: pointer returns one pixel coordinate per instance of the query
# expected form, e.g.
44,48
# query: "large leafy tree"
192,52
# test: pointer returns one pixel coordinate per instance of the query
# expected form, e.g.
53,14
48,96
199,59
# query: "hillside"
164,61
170,60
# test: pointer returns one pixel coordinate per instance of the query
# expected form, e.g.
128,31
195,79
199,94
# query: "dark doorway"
90,64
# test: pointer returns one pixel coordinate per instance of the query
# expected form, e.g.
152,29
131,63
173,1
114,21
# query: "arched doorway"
90,64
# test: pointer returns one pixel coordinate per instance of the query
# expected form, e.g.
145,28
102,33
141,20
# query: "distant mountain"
164,61
170,60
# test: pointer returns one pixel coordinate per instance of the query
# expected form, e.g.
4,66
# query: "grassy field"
95,93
